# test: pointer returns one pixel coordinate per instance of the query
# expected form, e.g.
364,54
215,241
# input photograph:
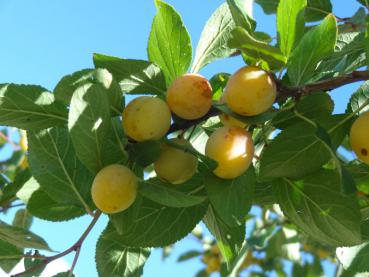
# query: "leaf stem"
76,247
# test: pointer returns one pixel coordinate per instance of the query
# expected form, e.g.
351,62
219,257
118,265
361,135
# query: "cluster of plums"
249,92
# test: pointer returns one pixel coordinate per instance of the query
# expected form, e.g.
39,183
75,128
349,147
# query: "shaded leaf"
30,107
134,76
316,205
55,166
114,259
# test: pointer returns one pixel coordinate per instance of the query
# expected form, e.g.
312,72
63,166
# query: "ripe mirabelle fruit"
114,188
359,137
250,91
175,165
146,118
190,96
233,149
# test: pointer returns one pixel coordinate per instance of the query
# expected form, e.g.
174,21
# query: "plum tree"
176,165
146,118
233,149
297,201
190,96
250,91
359,137
114,188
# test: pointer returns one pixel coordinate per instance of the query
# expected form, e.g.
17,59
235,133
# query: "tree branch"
75,247
325,85
284,92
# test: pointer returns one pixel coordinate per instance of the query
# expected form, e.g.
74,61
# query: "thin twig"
4,209
75,247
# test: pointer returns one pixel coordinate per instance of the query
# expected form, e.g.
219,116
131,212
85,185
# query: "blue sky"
43,40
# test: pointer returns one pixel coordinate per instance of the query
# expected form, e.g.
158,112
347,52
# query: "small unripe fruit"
176,165
146,118
114,188
250,91
190,96
359,137
233,149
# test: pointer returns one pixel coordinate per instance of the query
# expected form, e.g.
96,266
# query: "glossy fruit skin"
146,118
114,188
233,149
250,91
359,137
175,165
190,96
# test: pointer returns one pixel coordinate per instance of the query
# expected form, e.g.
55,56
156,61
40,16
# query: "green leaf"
284,243
313,106
360,173
9,256
189,255
258,50
212,45
22,219
63,274
318,9
231,199
148,224
348,56
315,10
114,259
364,2
264,194
20,237
316,205
90,128
359,98
169,43
354,259
290,24
315,45
69,84
29,187
298,150
11,189
268,6
293,153
55,166
257,119
229,239
134,76
218,83
169,195
242,13
31,263
30,107
144,153
43,206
